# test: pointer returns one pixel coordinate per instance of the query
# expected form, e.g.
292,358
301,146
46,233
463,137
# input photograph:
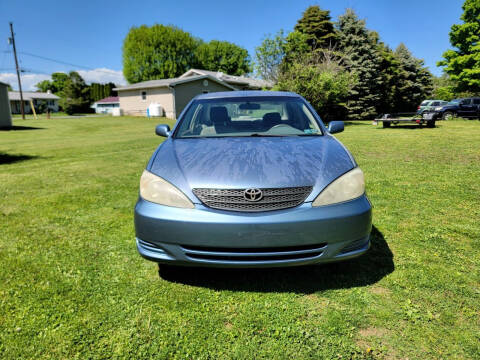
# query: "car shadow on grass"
11,159
362,271
20,128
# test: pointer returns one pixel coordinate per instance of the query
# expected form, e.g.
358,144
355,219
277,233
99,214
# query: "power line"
63,62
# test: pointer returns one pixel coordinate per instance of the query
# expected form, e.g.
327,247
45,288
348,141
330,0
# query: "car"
428,105
251,179
465,107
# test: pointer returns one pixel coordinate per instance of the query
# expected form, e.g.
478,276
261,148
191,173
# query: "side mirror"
162,130
335,127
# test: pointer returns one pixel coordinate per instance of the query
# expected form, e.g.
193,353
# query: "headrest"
219,115
272,118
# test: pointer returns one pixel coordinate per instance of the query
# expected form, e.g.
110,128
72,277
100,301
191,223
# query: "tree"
223,56
463,64
100,91
443,88
296,48
75,94
389,70
269,56
414,81
364,61
157,52
316,24
9,87
55,85
321,80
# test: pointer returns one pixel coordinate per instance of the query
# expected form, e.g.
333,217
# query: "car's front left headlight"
349,186
157,190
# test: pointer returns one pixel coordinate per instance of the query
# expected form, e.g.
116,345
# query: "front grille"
233,199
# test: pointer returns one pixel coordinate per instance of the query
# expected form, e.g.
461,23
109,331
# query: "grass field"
72,285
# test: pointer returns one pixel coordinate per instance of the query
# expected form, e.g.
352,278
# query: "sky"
87,35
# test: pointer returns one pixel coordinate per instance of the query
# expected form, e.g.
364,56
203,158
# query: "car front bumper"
298,236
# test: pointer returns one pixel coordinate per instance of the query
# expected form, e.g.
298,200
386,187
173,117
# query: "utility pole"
12,39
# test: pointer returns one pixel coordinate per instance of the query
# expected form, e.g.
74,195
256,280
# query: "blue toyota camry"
251,179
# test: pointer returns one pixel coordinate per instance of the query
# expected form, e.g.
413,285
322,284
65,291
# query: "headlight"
347,187
438,108
153,188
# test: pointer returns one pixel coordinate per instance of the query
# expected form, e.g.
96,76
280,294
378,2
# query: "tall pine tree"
317,25
364,60
414,81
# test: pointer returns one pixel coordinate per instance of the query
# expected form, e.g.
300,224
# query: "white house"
106,106
38,99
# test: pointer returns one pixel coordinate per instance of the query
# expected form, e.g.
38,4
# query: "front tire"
447,115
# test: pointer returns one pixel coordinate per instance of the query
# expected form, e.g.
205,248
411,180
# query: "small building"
39,100
5,117
106,106
174,94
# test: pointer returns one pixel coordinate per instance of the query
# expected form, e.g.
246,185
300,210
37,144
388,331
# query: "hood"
239,163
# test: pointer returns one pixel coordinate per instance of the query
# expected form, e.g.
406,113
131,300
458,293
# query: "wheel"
430,123
386,124
447,115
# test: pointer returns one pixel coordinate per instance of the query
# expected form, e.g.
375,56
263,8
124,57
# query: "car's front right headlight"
349,186
157,190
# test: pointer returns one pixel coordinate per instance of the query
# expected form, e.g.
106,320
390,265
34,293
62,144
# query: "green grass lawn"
72,285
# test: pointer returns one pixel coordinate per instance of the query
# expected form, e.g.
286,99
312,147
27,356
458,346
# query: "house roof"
231,79
171,82
31,95
108,100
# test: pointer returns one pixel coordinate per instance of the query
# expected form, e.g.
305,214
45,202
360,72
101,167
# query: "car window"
425,103
435,103
476,101
466,101
248,116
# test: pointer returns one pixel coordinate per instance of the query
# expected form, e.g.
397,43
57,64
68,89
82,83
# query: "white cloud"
28,80
102,75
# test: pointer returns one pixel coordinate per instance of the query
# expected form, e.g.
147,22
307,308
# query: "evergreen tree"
414,81
75,94
463,64
389,70
317,25
364,61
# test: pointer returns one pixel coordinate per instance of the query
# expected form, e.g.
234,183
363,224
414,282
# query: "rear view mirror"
249,106
335,127
162,130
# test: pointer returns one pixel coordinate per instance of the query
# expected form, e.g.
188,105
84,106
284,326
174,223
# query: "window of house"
144,95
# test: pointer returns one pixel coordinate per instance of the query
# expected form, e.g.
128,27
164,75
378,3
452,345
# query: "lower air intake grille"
271,199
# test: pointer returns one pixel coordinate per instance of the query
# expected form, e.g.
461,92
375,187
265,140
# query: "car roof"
246,93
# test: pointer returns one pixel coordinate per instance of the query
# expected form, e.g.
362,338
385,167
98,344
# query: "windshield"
248,116
455,102
425,103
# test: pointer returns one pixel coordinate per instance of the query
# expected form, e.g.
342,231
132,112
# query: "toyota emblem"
252,194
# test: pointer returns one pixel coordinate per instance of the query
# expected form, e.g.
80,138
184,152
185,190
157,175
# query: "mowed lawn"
72,285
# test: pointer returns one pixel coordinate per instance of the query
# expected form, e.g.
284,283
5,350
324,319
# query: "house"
174,94
38,99
106,106
5,118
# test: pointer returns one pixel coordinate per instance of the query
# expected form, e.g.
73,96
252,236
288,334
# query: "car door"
466,108
476,106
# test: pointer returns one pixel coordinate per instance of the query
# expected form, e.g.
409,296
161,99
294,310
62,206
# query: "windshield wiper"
266,135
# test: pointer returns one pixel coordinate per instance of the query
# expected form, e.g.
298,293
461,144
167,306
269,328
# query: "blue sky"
90,33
